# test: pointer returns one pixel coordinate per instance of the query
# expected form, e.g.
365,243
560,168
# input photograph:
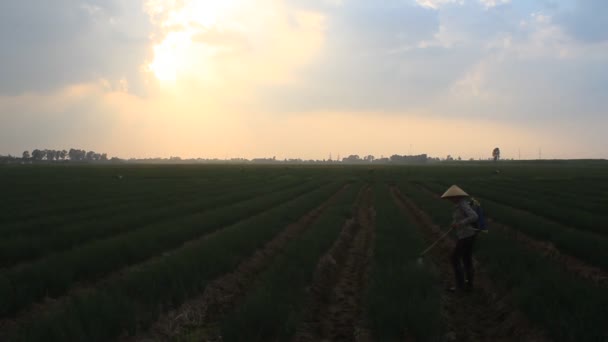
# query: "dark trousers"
463,256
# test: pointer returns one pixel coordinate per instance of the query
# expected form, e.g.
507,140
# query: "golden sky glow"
229,42
179,51
290,78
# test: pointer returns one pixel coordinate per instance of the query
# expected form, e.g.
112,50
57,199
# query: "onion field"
300,253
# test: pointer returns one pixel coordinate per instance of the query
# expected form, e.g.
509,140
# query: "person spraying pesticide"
467,221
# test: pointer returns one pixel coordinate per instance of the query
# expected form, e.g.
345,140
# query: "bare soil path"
335,306
486,314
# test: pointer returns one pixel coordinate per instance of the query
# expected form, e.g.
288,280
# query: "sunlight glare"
173,55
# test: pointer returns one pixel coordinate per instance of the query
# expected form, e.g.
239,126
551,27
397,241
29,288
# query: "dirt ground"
335,308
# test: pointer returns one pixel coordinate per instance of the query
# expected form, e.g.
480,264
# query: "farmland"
300,253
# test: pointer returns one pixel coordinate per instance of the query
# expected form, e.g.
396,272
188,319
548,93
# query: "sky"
305,78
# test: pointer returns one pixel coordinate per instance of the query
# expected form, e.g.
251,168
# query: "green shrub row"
275,304
27,247
403,300
130,303
53,275
569,213
32,208
564,192
42,191
107,208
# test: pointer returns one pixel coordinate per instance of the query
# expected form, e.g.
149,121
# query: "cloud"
46,45
493,3
436,4
233,49
365,62
536,74
93,117
206,110
258,78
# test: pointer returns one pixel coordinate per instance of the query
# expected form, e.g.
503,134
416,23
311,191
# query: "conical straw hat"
454,191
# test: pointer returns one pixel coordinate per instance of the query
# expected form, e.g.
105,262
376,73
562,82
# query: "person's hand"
455,225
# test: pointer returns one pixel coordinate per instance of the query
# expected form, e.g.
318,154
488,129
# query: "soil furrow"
486,314
204,313
335,309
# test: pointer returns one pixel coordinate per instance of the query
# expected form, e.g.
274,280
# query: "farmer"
462,218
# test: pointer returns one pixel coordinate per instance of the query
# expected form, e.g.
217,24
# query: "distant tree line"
394,159
48,155
76,155
352,159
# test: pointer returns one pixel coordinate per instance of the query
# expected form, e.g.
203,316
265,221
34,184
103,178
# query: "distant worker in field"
463,219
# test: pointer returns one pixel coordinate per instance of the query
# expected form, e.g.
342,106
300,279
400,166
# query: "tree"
496,154
73,154
90,155
63,154
77,155
353,158
26,155
103,157
50,155
38,154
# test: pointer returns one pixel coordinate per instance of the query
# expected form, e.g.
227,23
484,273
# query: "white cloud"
493,3
436,4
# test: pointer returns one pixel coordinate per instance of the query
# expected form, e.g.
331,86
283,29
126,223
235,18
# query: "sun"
169,56
176,54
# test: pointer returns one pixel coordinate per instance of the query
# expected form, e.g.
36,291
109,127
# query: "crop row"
101,206
403,300
548,206
275,304
28,247
134,300
50,202
563,192
45,191
55,274
569,308
587,246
